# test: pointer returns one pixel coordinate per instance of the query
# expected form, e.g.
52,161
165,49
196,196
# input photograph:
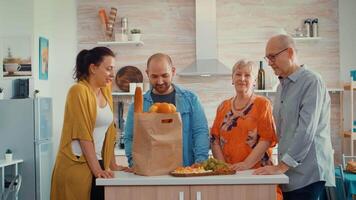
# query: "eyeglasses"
273,57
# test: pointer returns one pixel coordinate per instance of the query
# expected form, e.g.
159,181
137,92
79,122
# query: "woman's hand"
116,167
127,169
104,174
239,166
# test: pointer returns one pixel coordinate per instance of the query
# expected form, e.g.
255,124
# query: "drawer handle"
198,196
181,195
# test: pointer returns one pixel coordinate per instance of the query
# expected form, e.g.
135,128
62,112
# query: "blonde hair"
245,63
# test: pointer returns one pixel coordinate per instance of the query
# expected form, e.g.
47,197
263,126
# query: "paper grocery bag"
157,143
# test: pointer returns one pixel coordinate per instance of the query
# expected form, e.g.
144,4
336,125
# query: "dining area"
345,181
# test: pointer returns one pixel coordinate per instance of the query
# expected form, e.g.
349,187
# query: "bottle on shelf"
315,28
307,27
261,77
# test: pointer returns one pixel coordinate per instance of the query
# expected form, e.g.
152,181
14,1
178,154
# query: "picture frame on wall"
43,58
15,56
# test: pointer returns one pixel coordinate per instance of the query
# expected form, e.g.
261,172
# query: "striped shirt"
302,115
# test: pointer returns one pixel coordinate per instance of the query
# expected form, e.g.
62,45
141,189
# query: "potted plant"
136,35
8,155
1,93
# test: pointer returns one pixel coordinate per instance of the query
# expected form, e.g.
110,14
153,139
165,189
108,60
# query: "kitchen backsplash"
243,27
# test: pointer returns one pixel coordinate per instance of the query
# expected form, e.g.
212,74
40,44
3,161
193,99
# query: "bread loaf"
351,166
138,102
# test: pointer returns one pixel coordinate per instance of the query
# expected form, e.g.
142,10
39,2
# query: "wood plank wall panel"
168,26
243,28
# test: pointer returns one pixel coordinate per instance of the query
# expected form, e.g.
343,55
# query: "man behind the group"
160,72
302,115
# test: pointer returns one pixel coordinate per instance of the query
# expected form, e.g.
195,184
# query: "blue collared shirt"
302,115
194,126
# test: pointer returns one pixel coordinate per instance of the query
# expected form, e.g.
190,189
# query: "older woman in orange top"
243,131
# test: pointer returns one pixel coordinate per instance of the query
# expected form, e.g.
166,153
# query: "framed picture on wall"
15,56
43,58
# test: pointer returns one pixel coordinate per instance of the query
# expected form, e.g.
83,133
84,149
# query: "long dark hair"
86,57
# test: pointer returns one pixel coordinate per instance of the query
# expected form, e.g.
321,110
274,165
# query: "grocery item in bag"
157,140
157,143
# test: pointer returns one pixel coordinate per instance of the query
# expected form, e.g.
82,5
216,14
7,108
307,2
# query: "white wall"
56,21
16,17
347,27
63,48
16,21
43,27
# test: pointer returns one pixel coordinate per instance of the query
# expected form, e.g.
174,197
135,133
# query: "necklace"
240,111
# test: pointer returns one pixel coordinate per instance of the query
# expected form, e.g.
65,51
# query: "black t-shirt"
166,98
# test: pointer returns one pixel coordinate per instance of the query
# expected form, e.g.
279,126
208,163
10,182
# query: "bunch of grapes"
214,164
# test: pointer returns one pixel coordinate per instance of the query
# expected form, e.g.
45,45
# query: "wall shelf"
306,38
265,91
122,94
117,43
273,91
352,132
347,86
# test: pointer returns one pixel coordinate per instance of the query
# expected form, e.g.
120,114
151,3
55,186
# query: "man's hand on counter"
281,168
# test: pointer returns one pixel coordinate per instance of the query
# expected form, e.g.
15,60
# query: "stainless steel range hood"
207,63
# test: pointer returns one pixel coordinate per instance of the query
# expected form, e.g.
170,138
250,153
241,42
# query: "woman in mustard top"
86,149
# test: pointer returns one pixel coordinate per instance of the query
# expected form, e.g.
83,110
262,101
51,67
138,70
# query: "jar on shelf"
298,32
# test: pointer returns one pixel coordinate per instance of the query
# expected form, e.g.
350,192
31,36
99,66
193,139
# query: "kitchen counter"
242,185
242,177
121,152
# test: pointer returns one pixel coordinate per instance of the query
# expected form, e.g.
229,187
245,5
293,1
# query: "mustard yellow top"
71,178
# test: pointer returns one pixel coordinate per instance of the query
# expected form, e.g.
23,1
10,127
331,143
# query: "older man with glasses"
302,115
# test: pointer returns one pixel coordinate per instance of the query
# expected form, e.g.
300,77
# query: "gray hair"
245,63
285,41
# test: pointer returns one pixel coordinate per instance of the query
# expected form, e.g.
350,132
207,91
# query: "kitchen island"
242,185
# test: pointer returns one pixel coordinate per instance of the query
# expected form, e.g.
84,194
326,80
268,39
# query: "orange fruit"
162,108
153,108
173,108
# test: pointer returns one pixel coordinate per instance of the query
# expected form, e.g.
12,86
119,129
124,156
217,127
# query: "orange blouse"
239,133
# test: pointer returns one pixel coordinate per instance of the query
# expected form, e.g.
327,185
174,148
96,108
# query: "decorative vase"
8,157
136,37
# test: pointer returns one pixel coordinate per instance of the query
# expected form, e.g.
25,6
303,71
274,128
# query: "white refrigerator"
26,129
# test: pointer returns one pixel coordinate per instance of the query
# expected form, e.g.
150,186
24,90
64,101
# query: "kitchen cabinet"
218,192
242,185
202,192
147,192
